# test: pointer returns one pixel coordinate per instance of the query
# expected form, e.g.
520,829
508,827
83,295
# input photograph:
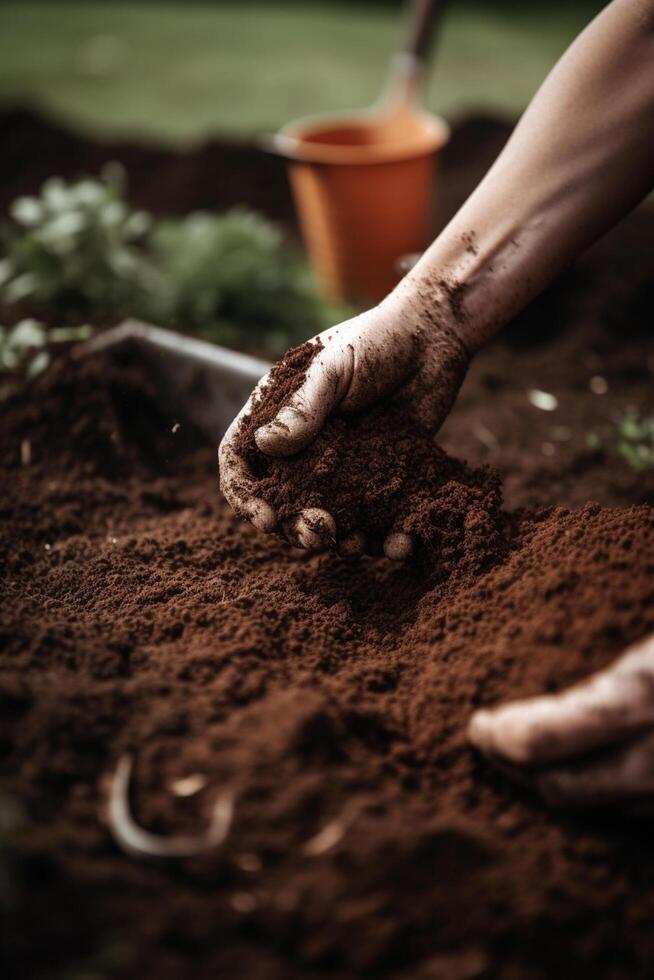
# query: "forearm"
581,157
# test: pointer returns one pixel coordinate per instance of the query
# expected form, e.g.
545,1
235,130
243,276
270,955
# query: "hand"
394,346
611,715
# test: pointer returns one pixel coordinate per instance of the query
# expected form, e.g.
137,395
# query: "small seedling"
23,346
631,436
636,440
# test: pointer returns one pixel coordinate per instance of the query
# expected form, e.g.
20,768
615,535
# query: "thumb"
300,420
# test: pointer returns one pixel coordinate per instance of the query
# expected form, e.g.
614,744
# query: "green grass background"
182,70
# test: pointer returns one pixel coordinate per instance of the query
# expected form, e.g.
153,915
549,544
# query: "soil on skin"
139,615
376,472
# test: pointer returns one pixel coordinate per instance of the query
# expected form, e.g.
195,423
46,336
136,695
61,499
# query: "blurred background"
134,180
182,70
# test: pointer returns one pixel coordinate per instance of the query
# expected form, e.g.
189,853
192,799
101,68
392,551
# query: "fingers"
625,773
314,529
298,423
611,705
398,546
237,482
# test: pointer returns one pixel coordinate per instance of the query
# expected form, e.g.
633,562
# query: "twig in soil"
136,841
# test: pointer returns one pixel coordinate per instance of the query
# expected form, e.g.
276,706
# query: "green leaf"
60,335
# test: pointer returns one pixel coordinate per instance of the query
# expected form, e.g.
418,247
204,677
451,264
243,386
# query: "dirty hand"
396,347
593,744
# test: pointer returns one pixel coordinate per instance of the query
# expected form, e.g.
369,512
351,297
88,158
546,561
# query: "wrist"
434,312
474,282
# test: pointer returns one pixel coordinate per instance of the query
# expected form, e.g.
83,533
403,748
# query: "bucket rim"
291,142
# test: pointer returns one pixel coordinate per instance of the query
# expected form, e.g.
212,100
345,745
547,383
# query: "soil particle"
470,243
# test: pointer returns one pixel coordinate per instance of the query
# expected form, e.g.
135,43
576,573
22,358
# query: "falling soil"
376,472
330,696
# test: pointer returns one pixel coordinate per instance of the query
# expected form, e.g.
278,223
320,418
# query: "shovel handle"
422,18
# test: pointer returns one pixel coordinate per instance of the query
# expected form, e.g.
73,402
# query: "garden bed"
328,697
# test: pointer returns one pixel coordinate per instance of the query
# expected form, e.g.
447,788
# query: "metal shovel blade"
197,381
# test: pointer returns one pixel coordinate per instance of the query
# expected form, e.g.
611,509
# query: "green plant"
23,346
74,246
635,441
631,436
79,249
231,277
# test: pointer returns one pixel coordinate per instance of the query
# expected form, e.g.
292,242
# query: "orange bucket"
363,187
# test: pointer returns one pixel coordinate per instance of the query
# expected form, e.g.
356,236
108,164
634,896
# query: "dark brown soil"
138,614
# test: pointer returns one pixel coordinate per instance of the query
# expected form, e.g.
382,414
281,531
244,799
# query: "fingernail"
262,515
316,529
281,436
267,437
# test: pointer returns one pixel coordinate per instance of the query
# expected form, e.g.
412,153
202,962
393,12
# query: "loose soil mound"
376,472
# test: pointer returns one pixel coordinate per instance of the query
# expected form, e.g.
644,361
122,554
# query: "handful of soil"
376,472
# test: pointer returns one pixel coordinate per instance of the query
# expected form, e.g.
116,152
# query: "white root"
136,841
